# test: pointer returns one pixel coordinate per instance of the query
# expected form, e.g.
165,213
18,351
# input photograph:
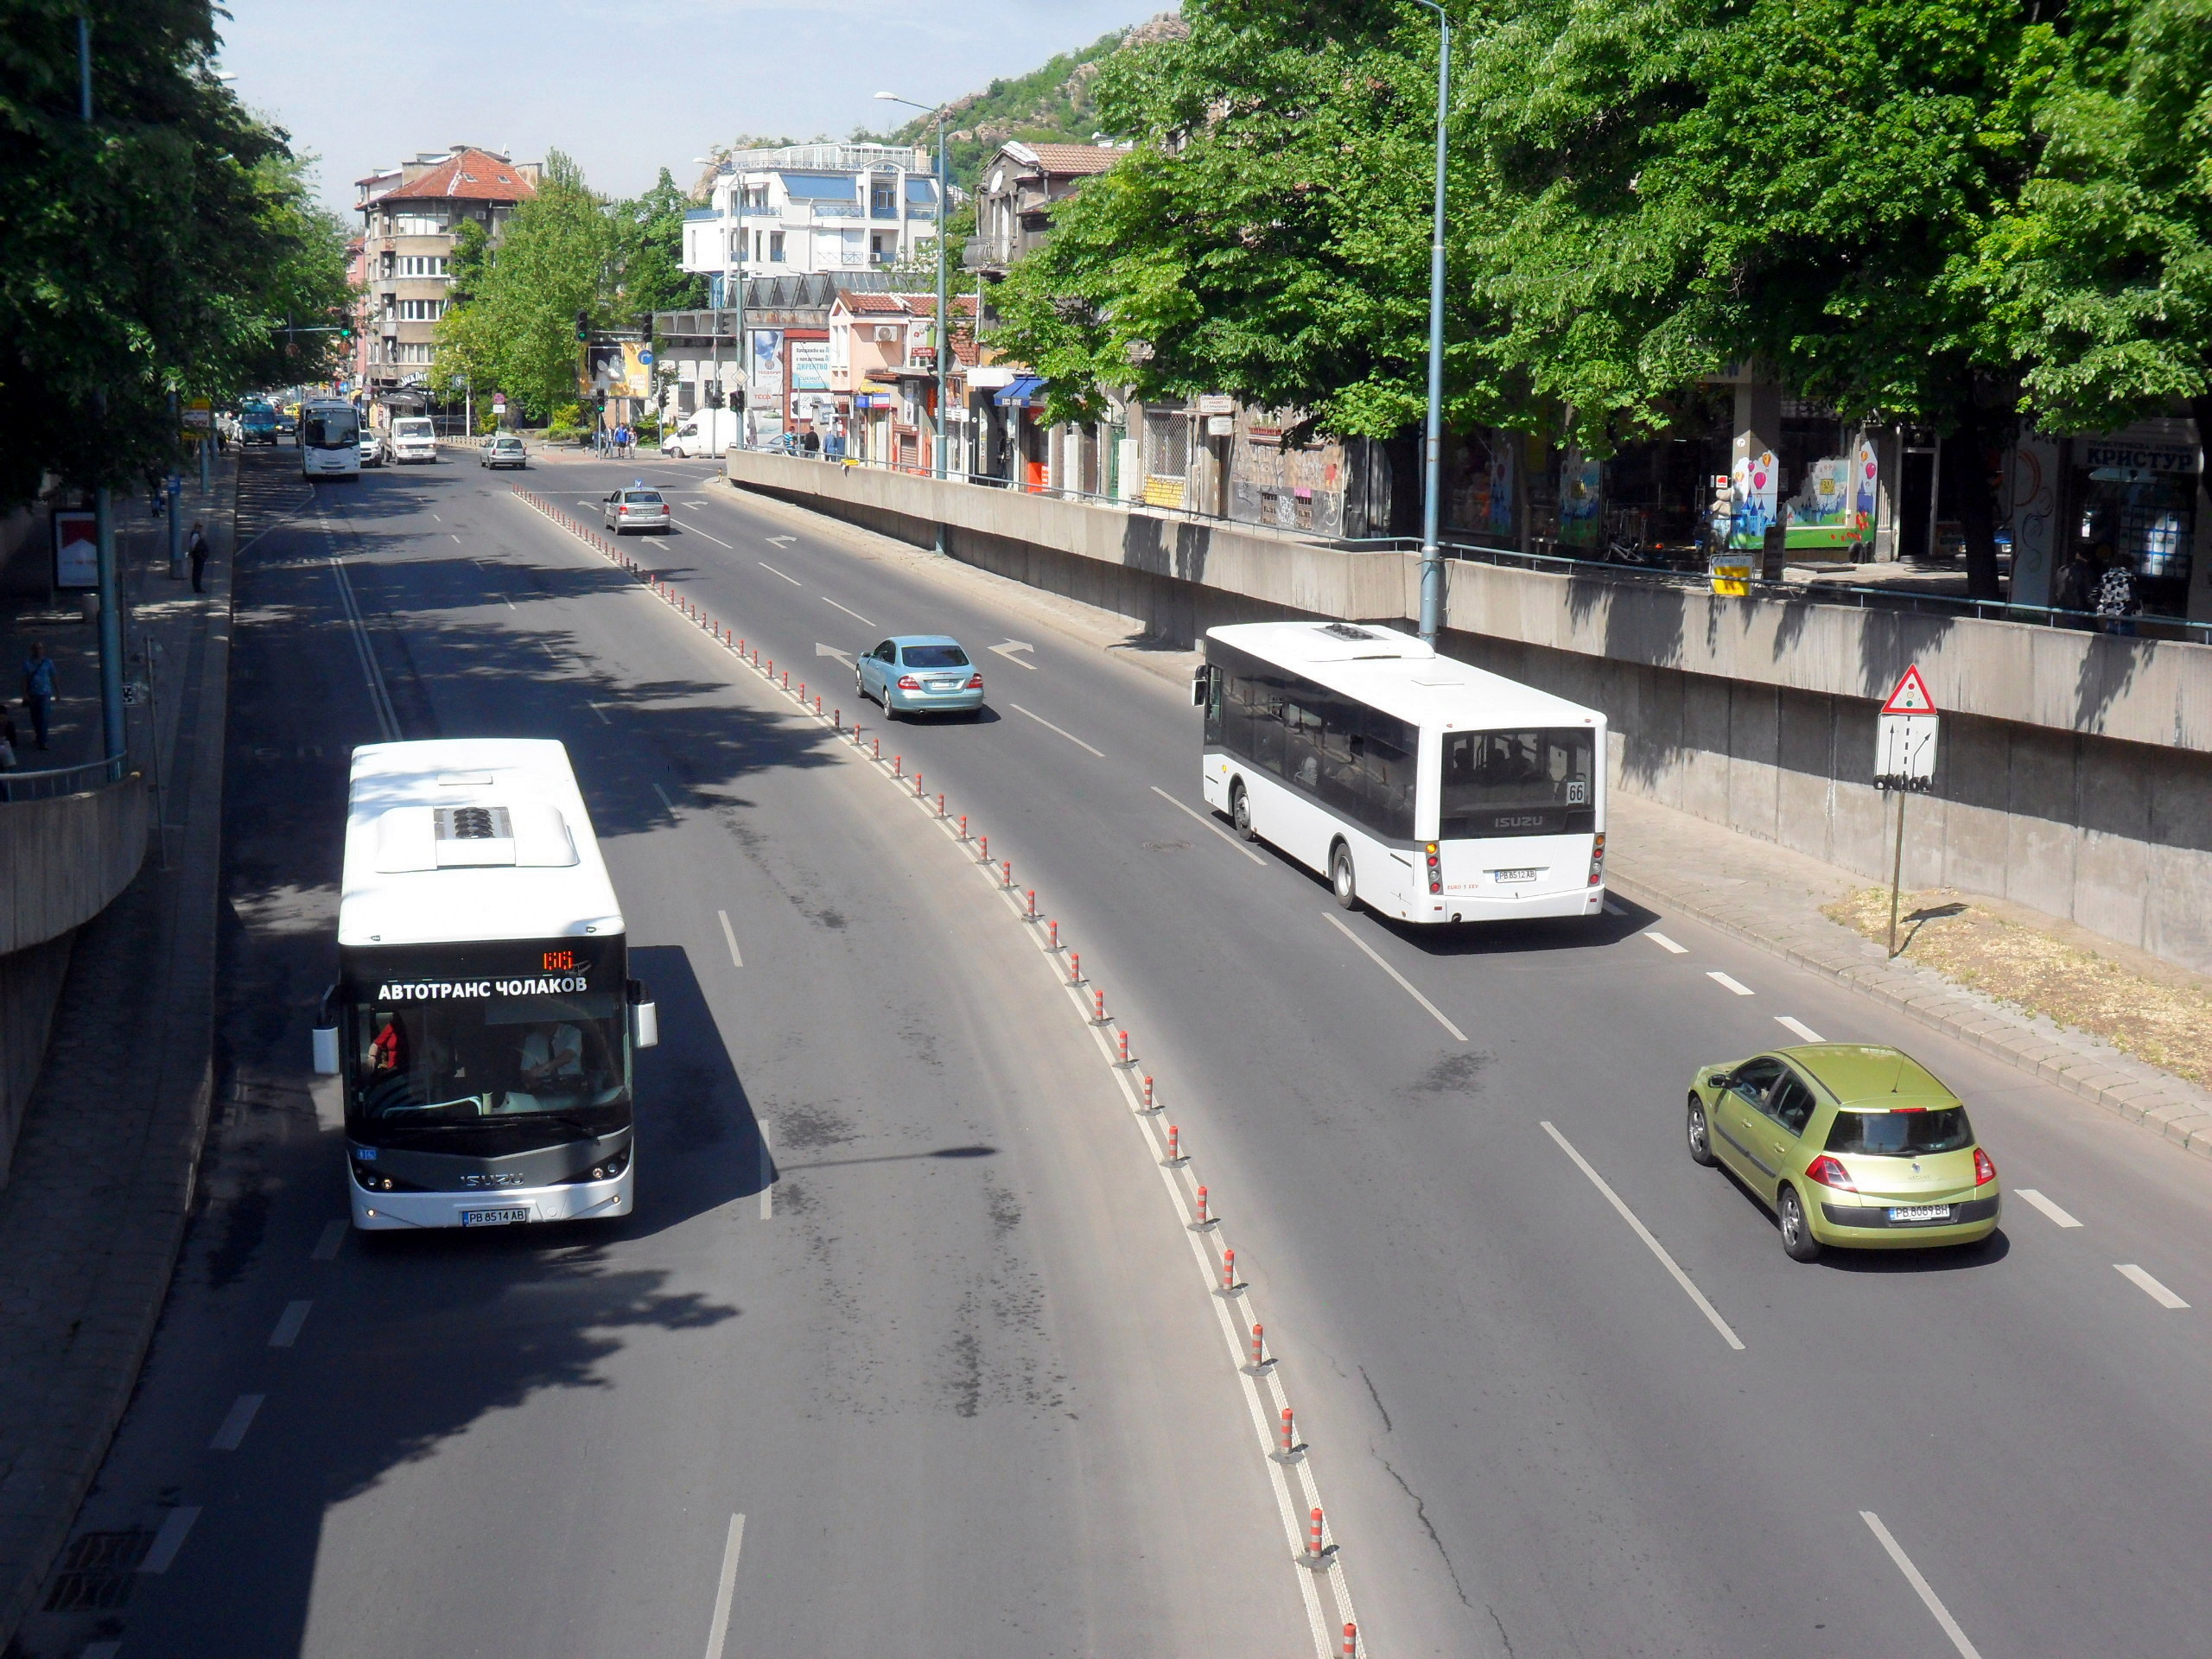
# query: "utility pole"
1432,555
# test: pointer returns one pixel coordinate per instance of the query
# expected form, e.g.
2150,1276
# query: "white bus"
330,439
1429,789
484,1018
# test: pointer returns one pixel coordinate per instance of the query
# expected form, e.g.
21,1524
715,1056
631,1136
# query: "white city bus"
484,1018
330,439
1429,789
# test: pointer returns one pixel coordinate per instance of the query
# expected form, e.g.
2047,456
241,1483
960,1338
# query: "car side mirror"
326,1035
1719,1080
644,1016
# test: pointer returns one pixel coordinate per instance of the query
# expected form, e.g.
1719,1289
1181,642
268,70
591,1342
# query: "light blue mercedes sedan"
920,674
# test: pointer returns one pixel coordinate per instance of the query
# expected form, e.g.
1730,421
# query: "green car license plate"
503,1217
1922,1213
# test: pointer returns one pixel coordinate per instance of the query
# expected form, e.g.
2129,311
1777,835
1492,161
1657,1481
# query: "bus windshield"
424,1065
1533,782
330,428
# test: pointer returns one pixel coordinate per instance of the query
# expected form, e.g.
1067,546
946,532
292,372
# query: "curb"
2176,1110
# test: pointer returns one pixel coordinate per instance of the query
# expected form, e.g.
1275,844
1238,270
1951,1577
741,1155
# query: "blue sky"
624,88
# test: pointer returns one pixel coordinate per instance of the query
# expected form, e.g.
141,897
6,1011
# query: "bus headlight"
1435,870
605,1170
1598,859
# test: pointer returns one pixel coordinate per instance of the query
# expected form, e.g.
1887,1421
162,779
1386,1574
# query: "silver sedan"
633,508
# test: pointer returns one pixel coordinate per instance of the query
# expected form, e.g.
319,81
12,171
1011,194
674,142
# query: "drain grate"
96,1571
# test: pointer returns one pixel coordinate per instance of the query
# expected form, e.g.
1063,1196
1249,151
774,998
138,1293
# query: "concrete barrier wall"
62,860
2075,770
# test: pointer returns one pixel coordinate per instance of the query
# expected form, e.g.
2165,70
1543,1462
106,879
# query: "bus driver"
552,1053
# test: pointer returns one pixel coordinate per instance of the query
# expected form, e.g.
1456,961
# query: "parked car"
634,508
503,449
413,438
919,674
373,452
1848,1144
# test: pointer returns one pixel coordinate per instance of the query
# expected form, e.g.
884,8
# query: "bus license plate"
1920,1213
504,1218
1513,875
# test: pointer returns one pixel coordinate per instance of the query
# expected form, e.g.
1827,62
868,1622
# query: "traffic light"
583,325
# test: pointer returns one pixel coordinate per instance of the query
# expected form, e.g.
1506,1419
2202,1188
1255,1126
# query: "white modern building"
809,209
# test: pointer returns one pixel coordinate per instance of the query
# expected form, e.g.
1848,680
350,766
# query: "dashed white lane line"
333,1241
2059,1217
1644,1233
716,540
1800,1028
1927,1591
725,1587
456,538
289,1323
1406,985
505,600
1728,984
773,571
1049,727
848,610
600,712
175,1528
2150,1287
1194,813
1666,944
235,1422
729,938
767,1173
664,801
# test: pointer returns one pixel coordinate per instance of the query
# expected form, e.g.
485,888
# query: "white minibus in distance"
484,1018
330,439
1430,790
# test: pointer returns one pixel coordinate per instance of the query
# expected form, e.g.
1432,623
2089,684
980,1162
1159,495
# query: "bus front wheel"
1342,881
1239,811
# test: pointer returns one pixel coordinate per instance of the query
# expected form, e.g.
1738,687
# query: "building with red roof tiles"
1017,189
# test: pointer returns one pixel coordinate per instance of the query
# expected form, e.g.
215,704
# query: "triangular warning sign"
1911,696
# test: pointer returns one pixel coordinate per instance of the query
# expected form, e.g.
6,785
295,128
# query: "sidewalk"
104,1166
1772,897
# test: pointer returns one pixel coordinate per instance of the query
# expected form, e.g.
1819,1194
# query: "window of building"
881,245
775,247
883,199
421,310
417,224
422,264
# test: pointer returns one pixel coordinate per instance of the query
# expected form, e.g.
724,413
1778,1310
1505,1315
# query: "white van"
708,433
413,439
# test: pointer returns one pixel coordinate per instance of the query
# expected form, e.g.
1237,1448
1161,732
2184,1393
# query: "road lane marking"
781,541
435,516
725,1587
600,712
2150,1287
333,1239
1666,944
773,571
505,600
664,801
1049,727
729,933
844,657
1209,823
1435,1013
176,1526
767,1174
2058,1216
287,1324
456,538
1927,1590
1007,650
1728,984
235,1422
848,610
379,697
716,540
1644,1233
1800,1028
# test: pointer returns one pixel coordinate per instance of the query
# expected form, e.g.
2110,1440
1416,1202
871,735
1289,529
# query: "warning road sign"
1910,696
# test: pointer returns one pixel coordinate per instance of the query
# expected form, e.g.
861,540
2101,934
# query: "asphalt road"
1533,1439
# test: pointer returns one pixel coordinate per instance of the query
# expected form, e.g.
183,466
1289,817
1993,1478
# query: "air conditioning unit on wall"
885,332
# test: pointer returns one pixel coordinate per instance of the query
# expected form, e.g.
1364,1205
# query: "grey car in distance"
503,449
920,674
633,508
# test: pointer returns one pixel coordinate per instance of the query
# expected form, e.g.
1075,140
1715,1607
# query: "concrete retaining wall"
2075,769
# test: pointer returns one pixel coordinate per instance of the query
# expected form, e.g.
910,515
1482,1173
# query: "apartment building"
811,209
1020,185
411,215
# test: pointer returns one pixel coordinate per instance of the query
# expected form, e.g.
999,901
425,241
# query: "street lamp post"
944,303
1431,555
732,293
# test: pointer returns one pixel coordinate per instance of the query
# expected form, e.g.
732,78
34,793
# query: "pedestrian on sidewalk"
2118,595
2075,587
197,547
38,690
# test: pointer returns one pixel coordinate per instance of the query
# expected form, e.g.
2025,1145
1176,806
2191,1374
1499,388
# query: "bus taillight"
1435,870
1598,859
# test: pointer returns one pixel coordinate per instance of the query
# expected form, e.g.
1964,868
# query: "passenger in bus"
552,1053
387,1049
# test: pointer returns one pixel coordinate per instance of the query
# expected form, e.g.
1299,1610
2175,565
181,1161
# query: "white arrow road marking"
1007,650
844,657
781,541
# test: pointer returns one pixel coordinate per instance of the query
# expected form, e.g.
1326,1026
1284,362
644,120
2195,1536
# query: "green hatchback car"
1848,1144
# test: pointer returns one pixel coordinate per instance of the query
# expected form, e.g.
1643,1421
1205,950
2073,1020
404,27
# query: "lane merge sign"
1904,751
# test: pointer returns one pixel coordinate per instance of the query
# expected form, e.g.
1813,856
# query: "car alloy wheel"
1700,1135
1797,1239
1342,878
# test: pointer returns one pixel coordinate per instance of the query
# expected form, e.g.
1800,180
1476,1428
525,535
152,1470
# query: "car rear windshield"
935,657
642,498
1901,1135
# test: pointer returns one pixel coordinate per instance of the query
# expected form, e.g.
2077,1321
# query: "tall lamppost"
732,291
944,311
1431,555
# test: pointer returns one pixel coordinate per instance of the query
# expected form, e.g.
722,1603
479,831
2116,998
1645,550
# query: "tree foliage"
171,245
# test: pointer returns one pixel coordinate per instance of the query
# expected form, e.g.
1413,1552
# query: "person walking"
38,690
2119,596
2075,587
197,547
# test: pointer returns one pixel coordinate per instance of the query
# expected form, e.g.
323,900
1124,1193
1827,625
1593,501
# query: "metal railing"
60,780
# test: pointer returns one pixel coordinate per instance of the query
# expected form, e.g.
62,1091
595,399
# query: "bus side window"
1216,690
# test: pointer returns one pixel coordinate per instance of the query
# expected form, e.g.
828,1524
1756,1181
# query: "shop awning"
1023,391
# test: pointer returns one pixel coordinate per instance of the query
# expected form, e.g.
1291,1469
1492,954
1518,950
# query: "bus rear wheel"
1342,879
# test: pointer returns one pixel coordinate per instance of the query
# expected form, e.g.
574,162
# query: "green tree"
649,251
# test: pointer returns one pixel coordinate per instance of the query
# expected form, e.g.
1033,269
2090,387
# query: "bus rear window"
1526,783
